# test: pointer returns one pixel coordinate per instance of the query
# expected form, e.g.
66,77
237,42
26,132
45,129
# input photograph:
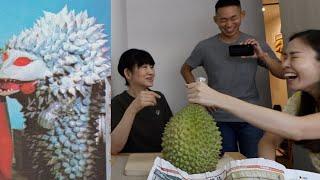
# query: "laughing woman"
301,67
138,114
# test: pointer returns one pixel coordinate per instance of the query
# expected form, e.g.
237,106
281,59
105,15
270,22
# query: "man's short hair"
224,3
133,57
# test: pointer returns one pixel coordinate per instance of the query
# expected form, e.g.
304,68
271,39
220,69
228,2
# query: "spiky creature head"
62,53
59,63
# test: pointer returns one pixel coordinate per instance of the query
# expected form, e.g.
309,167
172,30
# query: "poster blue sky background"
18,15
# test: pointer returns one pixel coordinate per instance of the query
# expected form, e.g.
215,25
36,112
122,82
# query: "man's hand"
274,65
258,52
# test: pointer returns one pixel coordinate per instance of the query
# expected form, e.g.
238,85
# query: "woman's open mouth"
290,76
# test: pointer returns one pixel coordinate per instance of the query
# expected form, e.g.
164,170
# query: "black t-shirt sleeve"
166,109
117,111
196,57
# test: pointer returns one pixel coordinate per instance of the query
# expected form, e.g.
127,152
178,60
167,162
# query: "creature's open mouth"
11,86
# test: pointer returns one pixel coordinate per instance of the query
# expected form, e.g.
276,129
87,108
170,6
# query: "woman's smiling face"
142,76
301,66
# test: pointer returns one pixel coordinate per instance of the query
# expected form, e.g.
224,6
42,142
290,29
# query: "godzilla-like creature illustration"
57,70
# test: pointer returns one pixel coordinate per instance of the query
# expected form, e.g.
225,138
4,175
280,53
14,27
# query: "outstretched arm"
283,124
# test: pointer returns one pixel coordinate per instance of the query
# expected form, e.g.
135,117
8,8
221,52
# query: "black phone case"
241,50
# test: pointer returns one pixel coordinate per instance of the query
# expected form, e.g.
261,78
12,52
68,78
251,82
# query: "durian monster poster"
53,71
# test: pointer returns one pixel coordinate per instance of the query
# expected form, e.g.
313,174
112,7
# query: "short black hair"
224,3
133,57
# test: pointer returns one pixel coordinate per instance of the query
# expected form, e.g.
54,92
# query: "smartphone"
241,50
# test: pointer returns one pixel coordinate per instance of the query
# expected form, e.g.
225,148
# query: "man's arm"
186,73
273,64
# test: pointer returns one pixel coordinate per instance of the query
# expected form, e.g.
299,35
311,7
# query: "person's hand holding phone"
241,50
258,52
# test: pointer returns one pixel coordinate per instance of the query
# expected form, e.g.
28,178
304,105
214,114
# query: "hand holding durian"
201,93
297,127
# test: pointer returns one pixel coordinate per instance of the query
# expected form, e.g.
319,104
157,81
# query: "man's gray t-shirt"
234,76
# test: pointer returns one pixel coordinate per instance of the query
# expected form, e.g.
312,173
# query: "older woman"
138,114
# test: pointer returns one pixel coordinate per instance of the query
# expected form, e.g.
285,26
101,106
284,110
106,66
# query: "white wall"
119,41
297,15
169,30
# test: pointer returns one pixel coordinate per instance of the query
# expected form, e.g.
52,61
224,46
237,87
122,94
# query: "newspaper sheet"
255,168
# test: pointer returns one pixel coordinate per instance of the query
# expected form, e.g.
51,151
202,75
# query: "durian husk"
192,141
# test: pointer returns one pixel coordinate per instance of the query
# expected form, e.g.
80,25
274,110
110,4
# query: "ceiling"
270,1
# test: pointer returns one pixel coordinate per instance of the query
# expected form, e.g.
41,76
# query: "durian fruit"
191,140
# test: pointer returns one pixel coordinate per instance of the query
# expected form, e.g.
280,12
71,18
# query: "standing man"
232,75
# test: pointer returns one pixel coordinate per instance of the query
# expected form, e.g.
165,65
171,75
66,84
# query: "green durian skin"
191,140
